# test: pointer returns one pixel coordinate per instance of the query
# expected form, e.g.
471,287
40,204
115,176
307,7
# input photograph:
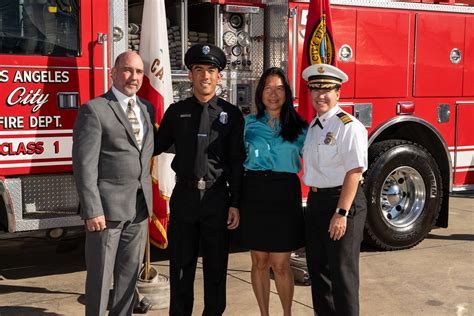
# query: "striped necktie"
132,117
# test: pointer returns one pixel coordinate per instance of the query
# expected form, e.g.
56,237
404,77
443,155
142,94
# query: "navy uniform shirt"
226,153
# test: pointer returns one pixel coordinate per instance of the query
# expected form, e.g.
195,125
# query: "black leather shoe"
142,307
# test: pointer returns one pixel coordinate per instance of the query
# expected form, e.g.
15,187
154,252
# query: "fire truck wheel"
403,188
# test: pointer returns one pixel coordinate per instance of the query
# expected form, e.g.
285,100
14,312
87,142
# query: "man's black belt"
198,184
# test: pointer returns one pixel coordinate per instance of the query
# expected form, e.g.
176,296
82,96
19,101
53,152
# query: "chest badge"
201,184
223,117
330,139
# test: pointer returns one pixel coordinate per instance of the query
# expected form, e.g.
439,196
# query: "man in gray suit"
112,150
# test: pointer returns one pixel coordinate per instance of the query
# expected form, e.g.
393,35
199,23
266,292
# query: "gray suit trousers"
122,243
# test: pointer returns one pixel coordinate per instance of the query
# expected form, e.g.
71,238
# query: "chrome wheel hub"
402,197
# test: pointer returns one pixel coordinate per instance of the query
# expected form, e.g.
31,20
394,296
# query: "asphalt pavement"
436,277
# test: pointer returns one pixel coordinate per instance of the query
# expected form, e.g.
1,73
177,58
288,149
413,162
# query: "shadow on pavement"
25,311
7,289
26,258
467,237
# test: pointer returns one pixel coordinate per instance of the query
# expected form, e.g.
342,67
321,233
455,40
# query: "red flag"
157,88
318,48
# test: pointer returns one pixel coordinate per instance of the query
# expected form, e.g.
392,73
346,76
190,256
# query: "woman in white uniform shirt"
335,156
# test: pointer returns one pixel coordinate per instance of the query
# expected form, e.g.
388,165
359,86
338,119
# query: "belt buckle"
201,184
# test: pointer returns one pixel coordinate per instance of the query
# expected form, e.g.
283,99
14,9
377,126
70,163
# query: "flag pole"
147,258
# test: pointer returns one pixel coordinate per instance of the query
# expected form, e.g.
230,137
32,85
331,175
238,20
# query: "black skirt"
271,211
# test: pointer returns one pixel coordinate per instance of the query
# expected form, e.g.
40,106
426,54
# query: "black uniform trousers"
333,265
198,221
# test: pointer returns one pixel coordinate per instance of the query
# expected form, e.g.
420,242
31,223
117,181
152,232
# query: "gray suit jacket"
107,162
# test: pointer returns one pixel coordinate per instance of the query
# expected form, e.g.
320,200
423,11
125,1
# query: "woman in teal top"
267,149
271,213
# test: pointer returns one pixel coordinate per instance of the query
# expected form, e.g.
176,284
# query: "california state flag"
157,89
318,49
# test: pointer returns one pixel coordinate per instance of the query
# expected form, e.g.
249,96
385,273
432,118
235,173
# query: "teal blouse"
267,150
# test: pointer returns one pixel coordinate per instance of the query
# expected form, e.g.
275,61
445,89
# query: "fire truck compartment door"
464,149
382,53
437,34
468,89
344,22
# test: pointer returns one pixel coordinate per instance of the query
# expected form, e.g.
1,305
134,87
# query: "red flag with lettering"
157,88
318,49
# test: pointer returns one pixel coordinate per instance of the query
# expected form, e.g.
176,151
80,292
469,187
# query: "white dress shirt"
123,100
329,153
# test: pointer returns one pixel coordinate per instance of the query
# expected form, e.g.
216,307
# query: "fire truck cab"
411,83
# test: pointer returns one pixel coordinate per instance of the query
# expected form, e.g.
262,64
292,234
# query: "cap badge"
206,49
321,70
330,139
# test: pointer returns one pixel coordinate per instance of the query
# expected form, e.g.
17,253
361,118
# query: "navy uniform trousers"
194,222
333,265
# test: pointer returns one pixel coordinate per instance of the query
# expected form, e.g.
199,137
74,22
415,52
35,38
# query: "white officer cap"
324,76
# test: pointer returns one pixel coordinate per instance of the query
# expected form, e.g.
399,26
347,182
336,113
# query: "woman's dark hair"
291,122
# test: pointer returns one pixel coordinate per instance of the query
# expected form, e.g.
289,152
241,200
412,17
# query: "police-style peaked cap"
205,54
323,76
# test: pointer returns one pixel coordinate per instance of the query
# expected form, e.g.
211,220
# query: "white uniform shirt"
123,100
329,153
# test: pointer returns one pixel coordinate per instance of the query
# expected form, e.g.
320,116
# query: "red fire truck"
411,70
412,84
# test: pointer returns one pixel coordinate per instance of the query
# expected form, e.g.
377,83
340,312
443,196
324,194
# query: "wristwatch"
342,211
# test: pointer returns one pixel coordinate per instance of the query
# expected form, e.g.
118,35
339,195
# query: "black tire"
404,193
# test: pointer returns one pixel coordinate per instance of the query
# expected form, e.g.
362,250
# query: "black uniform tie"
317,122
201,164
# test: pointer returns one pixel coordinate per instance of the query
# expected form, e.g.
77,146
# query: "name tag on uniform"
185,115
202,135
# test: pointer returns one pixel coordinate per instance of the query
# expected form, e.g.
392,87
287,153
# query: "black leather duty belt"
333,189
198,184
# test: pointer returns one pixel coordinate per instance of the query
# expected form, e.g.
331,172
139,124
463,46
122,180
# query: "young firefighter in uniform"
335,156
207,133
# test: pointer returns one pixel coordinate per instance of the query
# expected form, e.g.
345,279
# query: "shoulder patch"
344,117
